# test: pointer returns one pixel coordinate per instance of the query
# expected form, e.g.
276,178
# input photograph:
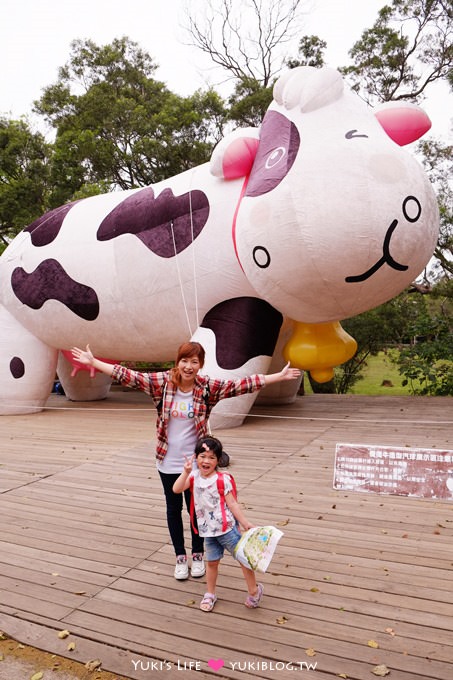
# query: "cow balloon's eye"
411,208
275,157
352,134
261,257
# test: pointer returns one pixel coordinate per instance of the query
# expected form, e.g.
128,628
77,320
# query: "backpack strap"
221,490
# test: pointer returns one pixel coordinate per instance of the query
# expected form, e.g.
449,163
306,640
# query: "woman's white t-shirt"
182,435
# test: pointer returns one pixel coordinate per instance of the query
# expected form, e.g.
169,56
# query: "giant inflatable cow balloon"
314,217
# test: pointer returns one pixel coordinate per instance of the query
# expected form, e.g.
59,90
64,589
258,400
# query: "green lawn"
379,369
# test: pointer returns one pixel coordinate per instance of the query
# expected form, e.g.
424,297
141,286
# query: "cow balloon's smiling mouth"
408,204
385,259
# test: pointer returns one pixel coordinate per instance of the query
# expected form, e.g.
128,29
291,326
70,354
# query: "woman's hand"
288,373
83,357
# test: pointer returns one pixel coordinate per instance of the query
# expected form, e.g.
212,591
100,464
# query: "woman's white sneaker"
198,568
181,568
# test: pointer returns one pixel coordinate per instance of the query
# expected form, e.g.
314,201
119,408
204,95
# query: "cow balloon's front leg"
286,391
27,368
239,336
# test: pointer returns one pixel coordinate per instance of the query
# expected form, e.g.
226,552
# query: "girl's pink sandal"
208,602
253,600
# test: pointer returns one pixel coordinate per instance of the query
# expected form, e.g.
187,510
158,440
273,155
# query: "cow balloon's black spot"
49,281
166,225
45,229
253,323
17,367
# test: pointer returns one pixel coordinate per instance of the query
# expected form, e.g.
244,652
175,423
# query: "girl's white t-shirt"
207,504
182,435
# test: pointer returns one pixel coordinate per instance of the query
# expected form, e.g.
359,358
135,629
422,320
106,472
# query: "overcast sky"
35,37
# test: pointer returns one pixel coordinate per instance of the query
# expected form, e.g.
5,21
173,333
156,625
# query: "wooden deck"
84,546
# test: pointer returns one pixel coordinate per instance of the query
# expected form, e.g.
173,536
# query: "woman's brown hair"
186,351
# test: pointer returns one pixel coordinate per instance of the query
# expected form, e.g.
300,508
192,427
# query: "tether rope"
180,279
346,419
194,276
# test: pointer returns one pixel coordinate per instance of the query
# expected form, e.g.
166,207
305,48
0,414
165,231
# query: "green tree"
249,102
311,50
116,124
427,362
438,162
408,48
24,177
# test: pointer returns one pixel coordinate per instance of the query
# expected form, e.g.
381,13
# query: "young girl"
217,533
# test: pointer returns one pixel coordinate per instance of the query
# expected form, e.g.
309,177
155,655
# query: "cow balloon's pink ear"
403,122
234,155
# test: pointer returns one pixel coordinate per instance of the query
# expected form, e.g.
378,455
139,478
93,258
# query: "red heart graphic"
216,664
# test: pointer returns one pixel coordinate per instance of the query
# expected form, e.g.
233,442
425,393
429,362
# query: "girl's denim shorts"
214,546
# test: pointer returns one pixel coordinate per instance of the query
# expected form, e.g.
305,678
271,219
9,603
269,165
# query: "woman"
184,400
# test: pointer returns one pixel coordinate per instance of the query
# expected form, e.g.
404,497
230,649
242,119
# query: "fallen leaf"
71,647
55,573
283,523
93,664
80,592
342,675
190,601
281,620
63,634
381,670
373,644
37,676
20,646
327,578
314,590
390,631
310,652
1,657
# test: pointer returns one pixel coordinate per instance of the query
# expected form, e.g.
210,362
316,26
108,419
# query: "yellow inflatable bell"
318,347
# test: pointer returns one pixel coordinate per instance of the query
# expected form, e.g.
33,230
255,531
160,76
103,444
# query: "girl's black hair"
212,444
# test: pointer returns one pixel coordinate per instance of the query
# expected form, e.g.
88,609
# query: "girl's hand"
83,357
288,373
188,464
245,526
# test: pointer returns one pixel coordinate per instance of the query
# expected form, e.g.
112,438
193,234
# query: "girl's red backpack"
221,490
